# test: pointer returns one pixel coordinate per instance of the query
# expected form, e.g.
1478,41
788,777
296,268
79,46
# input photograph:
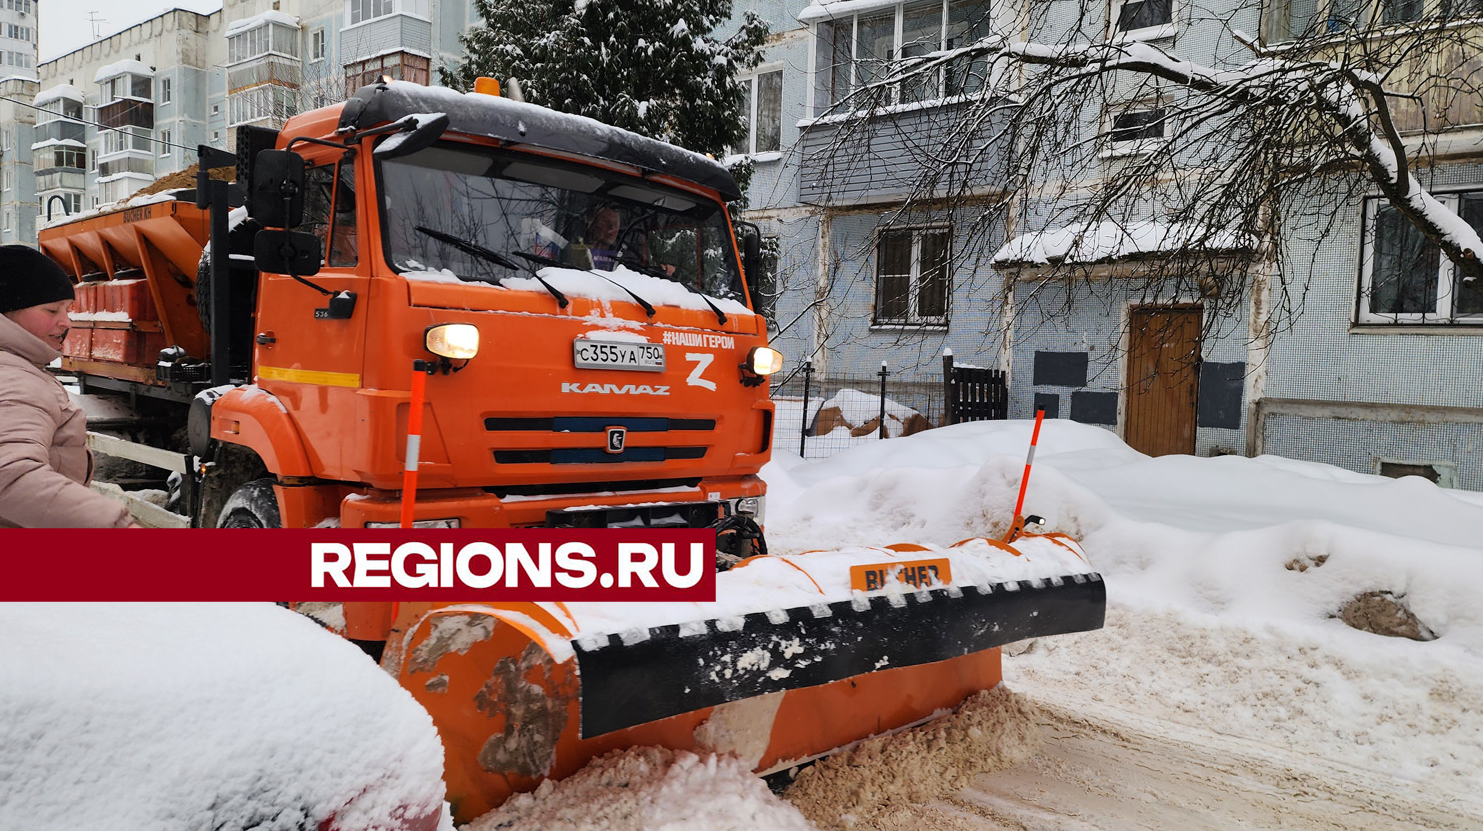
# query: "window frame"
318,44
1445,304
1113,148
826,51
367,8
166,91
913,319
754,83
1155,32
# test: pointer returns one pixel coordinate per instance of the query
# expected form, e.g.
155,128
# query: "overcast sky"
64,24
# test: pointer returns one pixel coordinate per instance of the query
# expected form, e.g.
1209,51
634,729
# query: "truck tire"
254,505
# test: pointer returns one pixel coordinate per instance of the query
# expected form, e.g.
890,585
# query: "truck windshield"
540,212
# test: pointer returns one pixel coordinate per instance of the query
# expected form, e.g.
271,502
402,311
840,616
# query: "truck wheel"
254,505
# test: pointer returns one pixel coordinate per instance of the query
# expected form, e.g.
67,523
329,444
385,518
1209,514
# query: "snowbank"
187,716
1224,580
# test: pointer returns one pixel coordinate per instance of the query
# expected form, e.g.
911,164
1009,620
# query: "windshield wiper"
645,268
490,256
544,260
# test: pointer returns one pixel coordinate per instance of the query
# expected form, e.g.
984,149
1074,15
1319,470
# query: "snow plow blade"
798,656
646,675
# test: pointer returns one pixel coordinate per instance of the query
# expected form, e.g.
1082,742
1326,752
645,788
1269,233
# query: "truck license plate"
638,357
918,574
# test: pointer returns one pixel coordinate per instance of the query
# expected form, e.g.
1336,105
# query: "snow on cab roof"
517,122
51,94
270,16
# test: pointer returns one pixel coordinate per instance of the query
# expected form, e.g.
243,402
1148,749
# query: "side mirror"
278,189
287,252
421,131
751,257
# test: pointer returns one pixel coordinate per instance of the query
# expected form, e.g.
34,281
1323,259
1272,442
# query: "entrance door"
1163,380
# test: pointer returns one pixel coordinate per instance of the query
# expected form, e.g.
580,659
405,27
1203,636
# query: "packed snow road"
1111,770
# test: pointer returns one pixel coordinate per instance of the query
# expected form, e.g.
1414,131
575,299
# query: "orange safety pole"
1019,520
414,441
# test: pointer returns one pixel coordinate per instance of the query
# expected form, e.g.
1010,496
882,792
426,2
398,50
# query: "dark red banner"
333,564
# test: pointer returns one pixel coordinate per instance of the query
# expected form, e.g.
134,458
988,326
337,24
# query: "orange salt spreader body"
574,303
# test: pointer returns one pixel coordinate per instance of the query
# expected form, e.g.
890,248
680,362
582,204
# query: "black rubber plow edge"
648,674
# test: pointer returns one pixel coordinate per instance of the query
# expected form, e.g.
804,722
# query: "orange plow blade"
523,692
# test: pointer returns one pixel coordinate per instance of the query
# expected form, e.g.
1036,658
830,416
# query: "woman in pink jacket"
45,464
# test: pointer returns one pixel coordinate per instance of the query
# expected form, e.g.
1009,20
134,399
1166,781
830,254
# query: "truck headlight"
764,360
455,341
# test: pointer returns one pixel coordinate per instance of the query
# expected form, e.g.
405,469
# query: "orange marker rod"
1019,505
414,441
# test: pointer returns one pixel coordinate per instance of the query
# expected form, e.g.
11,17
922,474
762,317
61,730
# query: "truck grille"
598,425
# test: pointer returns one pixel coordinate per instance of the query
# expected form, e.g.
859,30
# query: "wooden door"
1163,380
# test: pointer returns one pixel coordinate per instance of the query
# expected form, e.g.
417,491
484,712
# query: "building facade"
1379,369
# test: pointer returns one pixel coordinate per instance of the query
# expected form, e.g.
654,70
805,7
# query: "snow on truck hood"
190,716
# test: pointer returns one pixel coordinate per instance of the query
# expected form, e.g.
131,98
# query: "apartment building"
125,110
1377,366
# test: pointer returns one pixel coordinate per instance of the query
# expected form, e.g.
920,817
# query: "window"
268,101
911,278
126,86
1296,19
165,91
316,44
261,40
1143,18
1137,129
363,10
762,106
7,137
7,220
857,50
129,138
165,139
7,179
1405,279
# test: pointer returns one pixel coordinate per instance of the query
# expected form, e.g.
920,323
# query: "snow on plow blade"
650,674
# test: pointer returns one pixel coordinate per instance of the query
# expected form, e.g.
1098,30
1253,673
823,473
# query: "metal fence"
818,416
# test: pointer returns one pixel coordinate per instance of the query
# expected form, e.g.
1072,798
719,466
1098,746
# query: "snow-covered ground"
1224,687
1225,577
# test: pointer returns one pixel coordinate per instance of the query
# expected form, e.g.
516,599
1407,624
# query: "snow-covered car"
223,717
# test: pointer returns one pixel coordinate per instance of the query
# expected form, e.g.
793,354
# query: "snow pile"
187,716
1225,579
865,785
649,788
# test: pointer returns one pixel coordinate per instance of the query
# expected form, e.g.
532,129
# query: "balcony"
396,32
880,158
127,112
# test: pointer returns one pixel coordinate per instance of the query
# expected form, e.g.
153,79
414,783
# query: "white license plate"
638,357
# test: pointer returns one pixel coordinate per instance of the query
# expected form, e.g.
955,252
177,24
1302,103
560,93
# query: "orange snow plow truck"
570,302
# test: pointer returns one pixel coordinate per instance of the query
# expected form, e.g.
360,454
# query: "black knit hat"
30,278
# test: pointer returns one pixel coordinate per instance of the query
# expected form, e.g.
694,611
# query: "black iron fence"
820,416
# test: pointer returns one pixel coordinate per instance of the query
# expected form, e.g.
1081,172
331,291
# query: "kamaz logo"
615,389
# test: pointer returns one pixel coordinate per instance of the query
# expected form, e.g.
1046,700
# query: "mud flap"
646,675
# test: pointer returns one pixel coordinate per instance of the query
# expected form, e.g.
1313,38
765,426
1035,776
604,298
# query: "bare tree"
1194,170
